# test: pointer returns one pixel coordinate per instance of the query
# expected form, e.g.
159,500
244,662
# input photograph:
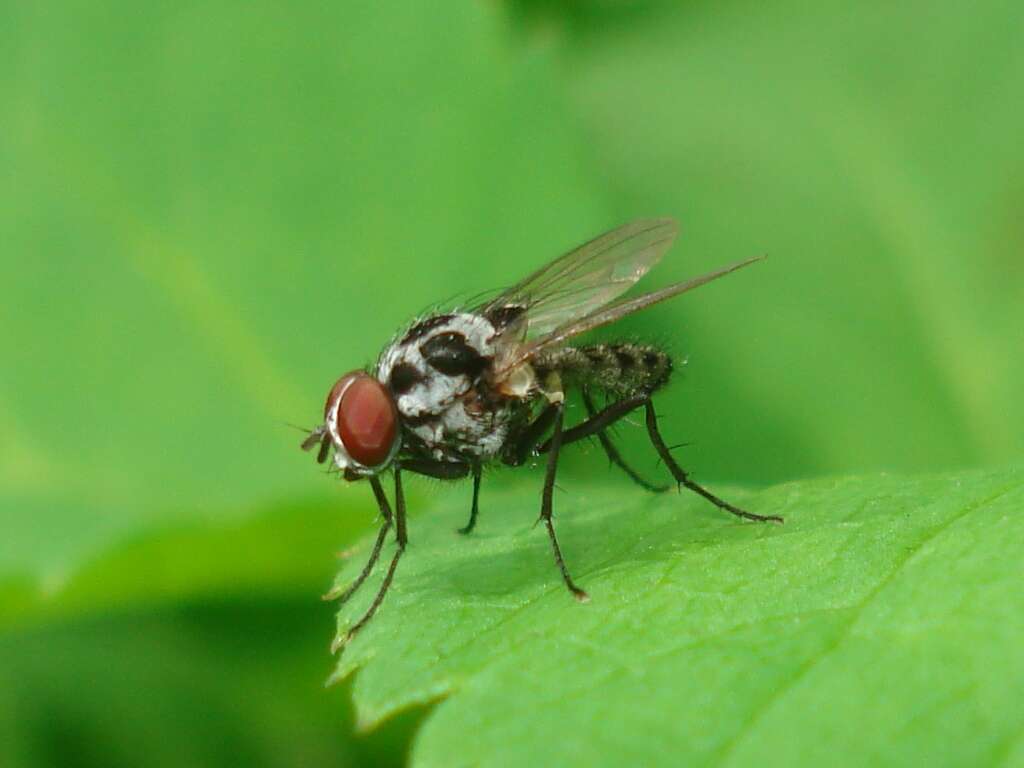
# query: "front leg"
401,539
342,595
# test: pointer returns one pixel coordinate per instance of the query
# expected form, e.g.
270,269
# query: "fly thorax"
435,372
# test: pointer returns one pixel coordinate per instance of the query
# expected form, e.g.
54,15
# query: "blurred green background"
211,210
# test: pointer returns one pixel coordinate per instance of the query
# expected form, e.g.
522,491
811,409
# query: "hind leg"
684,480
613,453
600,421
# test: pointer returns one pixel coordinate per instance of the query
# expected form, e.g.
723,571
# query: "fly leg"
515,454
468,527
613,453
599,422
321,436
401,539
450,470
555,445
603,419
342,595
684,480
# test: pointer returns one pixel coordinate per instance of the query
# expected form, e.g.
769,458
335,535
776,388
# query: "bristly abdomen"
619,369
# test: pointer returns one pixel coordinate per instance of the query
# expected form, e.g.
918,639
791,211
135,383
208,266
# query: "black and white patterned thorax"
437,373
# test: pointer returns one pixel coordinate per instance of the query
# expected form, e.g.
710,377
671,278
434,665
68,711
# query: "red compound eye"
367,419
338,388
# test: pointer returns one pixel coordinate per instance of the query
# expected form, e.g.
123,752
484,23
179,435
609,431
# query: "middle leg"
555,445
475,509
449,470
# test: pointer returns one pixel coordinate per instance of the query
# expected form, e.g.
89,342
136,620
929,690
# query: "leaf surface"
881,622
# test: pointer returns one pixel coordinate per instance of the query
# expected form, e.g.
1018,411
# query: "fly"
458,391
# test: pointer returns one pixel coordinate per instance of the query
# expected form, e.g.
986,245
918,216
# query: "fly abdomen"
620,369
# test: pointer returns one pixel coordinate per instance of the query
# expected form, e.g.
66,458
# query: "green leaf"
211,211
882,624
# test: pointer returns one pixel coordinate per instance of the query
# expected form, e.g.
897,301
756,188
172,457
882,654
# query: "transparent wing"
603,315
586,278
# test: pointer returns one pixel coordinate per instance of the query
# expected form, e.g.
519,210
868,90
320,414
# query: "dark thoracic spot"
403,378
595,355
452,355
651,359
502,317
425,326
624,359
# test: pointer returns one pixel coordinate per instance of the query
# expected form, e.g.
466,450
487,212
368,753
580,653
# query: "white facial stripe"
341,458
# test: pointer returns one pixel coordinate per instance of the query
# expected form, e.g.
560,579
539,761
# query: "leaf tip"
338,642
